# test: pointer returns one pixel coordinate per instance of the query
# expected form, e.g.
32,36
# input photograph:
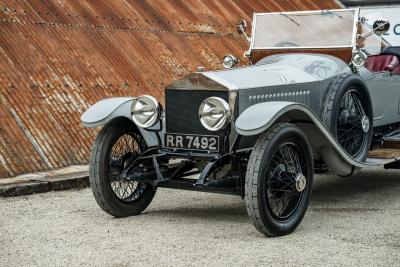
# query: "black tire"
262,177
345,123
109,198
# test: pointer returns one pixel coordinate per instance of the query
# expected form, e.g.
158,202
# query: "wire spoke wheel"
285,181
352,124
116,147
279,179
124,151
347,112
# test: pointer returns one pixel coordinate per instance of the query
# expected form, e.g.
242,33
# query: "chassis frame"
160,173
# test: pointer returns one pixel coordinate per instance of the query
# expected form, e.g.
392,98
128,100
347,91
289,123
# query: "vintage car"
321,87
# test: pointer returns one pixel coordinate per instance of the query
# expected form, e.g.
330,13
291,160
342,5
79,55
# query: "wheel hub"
365,124
301,182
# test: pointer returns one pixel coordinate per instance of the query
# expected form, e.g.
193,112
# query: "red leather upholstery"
381,63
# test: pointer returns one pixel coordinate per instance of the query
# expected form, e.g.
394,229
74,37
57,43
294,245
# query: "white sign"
391,13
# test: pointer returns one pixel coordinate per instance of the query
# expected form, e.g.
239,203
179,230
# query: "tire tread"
253,169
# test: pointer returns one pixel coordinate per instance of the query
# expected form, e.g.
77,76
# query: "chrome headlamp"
145,111
229,61
359,58
214,113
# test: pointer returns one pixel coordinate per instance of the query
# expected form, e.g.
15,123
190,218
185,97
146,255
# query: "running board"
392,163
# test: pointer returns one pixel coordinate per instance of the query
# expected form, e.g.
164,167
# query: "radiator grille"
182,110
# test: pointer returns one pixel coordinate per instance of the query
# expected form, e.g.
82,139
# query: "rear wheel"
348,115
117,145
279,180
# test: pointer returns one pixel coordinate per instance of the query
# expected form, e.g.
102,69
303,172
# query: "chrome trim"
301,182
232,98
308,11
253,30
356,18
241,29
303,47
379,117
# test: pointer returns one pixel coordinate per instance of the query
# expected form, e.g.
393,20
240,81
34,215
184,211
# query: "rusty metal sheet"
59,57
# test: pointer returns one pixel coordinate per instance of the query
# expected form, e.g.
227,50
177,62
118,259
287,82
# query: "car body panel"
302,78
384,89
395,80
262,75
320,66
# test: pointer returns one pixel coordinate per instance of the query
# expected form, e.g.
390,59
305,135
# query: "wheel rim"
286,182
352,124
125,150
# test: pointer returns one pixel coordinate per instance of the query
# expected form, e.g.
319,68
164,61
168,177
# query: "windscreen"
328,28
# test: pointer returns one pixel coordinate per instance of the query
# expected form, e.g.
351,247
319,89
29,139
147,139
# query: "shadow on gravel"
231,212
330,188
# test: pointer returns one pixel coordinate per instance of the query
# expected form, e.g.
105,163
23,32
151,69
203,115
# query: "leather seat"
384,62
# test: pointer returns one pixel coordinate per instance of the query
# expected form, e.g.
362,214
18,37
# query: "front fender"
105,110
109,109
260,117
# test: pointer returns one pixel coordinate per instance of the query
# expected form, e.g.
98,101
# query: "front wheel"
116,145
279,180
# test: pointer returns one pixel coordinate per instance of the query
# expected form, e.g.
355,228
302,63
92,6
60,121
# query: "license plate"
191,142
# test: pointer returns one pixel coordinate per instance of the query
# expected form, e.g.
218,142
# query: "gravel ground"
350,221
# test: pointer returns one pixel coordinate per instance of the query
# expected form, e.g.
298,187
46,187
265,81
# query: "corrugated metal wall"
59,57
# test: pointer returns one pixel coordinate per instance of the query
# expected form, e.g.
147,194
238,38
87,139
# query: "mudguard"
109,109
260,117
105,110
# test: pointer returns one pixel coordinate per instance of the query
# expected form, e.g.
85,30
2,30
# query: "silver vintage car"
321,90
